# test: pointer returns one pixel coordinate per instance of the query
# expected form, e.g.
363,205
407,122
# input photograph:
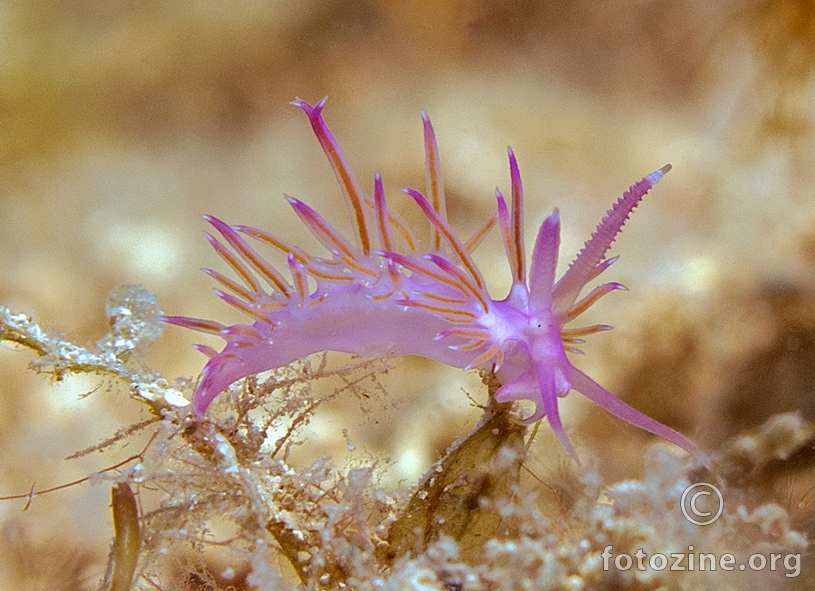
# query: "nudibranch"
381,292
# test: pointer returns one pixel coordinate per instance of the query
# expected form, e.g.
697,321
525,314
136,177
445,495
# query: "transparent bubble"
133,316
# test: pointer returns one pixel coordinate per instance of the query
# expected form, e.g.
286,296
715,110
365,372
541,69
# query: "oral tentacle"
549,396
603,398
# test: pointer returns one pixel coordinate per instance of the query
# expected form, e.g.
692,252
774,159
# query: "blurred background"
121,122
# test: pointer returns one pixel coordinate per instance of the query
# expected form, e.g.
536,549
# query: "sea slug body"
380,292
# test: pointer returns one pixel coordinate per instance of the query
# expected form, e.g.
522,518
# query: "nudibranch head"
380,292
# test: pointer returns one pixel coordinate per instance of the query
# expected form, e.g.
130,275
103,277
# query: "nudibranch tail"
605,399
380,292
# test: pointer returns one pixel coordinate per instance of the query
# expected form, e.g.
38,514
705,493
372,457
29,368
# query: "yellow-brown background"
122,122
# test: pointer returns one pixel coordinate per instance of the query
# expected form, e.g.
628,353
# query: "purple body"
381,294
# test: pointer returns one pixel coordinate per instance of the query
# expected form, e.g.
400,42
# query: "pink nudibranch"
399,299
